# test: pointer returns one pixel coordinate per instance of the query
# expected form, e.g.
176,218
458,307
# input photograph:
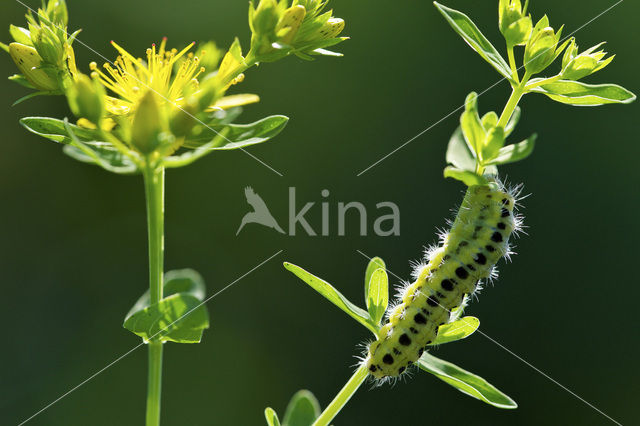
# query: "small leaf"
465,382
583,94
103,155
465,176
458,152
303,410
20,35
374,263
456,330
515,152
179,317
513,121
334,296
272,417
463,25
22,80
378,296
239,135
471,125
54,129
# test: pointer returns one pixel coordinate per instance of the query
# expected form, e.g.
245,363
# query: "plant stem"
516,95
154,384
342,397
512,64
154,191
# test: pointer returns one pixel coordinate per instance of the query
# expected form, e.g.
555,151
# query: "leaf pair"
179,317
95,147
377,298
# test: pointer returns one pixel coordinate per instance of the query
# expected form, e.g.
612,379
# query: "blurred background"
73,239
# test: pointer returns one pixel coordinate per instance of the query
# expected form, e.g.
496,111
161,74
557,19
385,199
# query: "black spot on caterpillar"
467,254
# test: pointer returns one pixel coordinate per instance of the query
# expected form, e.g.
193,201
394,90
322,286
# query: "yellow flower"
170,74
131,78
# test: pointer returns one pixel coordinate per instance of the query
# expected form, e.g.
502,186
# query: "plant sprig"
475,150
137,116
376,287
479,145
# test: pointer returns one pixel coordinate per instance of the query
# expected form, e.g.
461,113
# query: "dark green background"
73,242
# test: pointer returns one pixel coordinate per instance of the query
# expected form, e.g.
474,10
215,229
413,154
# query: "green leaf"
22,80
465,176
334,296
54,130
239,135
515,152
374,263
179,317
234,136
456,330
463,25
272,417
20,35
513,121
103,155
583,94
303,410
459,153
378,295
465,382
471,125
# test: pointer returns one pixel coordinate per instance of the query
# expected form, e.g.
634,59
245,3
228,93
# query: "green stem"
154,384
512,64
516,95
154,191
342,397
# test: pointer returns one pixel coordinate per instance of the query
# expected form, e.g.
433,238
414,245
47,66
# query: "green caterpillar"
478,238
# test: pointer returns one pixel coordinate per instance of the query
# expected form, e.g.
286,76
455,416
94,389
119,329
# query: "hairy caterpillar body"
477,240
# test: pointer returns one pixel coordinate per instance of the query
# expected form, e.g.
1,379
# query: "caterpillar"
478,238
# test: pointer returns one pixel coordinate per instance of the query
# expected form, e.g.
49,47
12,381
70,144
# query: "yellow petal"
234,101
118,106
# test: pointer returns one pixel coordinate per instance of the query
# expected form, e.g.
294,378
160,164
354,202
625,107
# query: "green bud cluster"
578,65
542,48
300,27
42,51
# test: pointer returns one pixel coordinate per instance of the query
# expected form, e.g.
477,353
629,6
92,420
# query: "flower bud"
86,99
290,24
542,48
514,25
29,62
331,29
57,12
264,18
147,124
576,66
